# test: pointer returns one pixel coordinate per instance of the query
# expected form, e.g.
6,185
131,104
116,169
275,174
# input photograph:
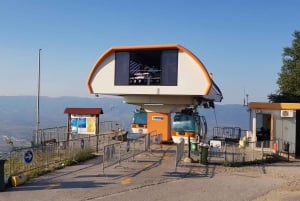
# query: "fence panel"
111,155
52,148
58,134
40,159
234,153
48,156
153,138
117,152
179,153
227,133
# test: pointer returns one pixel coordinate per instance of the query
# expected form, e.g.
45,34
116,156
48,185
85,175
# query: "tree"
289,77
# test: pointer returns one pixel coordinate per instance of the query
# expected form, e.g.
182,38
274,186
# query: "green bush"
84,155
227,164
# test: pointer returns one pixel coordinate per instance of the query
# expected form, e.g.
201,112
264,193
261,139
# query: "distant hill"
227,115
18,113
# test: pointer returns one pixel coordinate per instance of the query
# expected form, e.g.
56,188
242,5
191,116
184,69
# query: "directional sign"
28,156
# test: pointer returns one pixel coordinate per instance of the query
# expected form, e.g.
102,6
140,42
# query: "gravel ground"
154,177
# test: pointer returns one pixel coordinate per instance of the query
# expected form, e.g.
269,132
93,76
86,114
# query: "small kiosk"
277,121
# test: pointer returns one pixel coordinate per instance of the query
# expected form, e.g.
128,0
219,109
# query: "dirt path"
289,190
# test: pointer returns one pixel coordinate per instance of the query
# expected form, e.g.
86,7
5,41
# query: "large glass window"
121,68
150,67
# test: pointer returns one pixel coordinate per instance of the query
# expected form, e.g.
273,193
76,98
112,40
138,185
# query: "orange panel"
159,122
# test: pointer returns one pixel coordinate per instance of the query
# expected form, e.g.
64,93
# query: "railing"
227,133
136,144
285,146
154,138
61,133
54,154
111,155
46,134
237,153
54,151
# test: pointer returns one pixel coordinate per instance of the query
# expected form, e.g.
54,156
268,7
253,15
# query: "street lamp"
38,98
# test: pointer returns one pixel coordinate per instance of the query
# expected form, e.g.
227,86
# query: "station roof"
193,81
274,106
84,111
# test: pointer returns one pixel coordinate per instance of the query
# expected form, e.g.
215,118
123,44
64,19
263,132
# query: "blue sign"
28,156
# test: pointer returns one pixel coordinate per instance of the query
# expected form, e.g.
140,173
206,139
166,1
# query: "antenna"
246,96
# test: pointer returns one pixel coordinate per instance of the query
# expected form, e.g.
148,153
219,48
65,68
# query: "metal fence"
116,146
179,153
237,153
52,155
58,134
227,133
48,134
154,138
232,153
116,153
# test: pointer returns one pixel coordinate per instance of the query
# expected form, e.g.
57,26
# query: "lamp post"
38,99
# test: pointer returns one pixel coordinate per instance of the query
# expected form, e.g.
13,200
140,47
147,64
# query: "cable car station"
160,79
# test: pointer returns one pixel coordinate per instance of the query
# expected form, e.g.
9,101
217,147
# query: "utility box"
2,177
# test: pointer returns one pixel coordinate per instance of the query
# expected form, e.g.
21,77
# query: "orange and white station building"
162,79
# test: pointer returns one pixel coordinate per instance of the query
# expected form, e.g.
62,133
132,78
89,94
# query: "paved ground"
154,177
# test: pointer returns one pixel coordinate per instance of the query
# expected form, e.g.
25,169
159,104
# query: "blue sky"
239,41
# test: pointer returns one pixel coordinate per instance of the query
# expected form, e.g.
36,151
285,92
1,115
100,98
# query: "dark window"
151,67
169,63
121,68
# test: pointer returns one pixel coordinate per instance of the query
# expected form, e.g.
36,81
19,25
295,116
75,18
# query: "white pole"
38,99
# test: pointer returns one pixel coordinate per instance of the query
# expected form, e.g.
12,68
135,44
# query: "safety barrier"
61,133
154,138
241,153
179,153
54,154
117,152
227,133
111,155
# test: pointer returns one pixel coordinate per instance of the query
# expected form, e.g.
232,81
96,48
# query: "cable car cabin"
188,124
139,122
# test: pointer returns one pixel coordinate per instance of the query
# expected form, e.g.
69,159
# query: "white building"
153,75
161,79
277,122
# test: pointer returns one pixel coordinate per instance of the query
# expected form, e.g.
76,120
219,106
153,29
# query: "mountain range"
18,114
